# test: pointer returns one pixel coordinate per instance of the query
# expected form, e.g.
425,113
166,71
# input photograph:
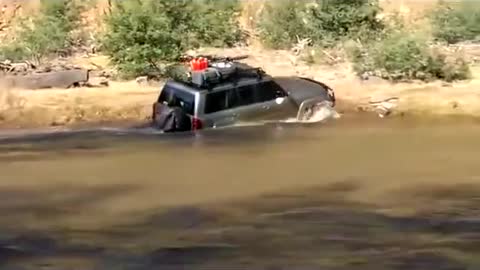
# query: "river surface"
352,193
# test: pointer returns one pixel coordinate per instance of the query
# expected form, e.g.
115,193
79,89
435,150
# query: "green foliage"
216,23
280,23
46,34
405,56
144,33
457,22
324,21
66,10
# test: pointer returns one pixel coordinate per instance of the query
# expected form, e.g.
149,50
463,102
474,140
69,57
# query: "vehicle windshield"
183,99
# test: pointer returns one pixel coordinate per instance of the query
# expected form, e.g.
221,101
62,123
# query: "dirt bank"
129,101
121,101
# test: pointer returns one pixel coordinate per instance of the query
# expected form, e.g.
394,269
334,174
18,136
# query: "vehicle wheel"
314,112
307,113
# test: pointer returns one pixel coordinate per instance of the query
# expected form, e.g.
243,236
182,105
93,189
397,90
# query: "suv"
246,97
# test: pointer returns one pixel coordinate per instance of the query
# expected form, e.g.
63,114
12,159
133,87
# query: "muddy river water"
353,193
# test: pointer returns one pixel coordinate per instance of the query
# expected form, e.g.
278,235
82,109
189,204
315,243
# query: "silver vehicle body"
273,99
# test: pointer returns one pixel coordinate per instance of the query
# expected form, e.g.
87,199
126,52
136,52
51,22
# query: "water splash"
323,113
320,113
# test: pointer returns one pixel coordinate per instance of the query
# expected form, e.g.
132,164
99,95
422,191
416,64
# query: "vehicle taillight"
154,111
196,124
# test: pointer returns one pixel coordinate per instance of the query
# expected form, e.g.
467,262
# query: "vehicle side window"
219,101
268,91
246,95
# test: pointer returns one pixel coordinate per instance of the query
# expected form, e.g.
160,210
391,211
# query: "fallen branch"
329,56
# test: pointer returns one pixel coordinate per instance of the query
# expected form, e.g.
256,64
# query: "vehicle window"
246,95
269,91
219,101
184,99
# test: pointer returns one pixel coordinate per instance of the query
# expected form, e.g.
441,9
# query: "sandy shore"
120,102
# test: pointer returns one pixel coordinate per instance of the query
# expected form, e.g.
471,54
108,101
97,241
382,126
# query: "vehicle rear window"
184,99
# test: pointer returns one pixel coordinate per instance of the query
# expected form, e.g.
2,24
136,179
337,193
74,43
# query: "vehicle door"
218,108
274,101
263,101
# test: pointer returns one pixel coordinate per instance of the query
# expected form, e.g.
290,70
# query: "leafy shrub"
281,22
456,22
216,23
324,21
14,51
404,56
141,34
46,34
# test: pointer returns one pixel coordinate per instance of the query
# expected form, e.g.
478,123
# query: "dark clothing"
172,119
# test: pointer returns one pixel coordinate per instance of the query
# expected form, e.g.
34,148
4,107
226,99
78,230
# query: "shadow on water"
314,229
54,202
23,245
31,146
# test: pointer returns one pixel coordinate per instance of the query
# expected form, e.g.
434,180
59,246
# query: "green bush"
453,23
324,21
405,56
46,34
144,33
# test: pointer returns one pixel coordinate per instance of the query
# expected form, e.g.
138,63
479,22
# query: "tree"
142,34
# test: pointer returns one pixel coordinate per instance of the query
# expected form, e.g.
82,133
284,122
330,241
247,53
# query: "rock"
104,83
98,82
142,80
45,69
365,76
58,79
385,107
361,108
106,74
447,84
421,75
454,105
60,121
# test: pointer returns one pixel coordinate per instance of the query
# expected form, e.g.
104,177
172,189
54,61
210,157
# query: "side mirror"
280,100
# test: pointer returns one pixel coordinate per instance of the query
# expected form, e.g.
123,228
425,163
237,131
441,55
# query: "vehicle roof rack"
221,69
213,58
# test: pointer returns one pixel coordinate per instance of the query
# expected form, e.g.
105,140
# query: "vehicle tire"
307,113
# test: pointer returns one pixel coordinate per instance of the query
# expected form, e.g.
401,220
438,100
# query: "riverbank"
131,102
120,102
